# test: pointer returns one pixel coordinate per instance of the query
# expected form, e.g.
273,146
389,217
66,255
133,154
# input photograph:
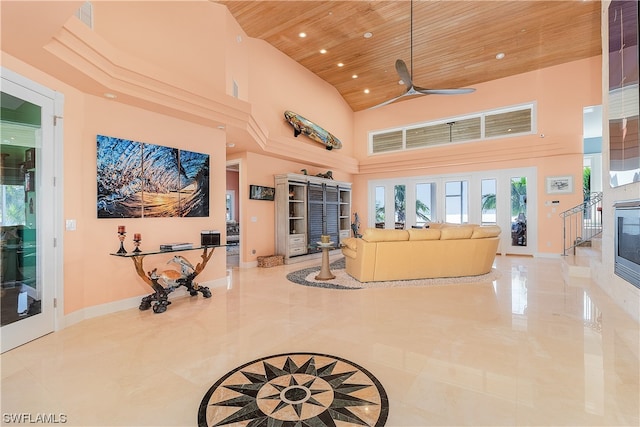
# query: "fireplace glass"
627,241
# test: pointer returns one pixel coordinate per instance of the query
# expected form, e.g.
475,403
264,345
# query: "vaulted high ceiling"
455,43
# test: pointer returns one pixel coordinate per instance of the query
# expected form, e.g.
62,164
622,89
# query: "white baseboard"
547,255
251,264
125,304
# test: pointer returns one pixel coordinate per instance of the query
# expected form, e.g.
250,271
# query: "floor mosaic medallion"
296,389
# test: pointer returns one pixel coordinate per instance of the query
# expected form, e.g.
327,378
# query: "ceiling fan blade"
386,102
411,92
459,91
403,72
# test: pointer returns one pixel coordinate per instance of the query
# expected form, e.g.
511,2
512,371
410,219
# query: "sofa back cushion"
384,235
482,232
464,231
424,234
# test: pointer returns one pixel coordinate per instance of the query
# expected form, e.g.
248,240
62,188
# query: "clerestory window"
500,123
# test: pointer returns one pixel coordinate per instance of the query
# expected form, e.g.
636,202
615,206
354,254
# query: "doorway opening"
30,269
232,203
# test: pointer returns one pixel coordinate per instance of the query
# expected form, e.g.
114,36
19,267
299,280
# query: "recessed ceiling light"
220,127
110,95
323,51
355,76
366,91
500,55
231,145
368,35
340,64
302,35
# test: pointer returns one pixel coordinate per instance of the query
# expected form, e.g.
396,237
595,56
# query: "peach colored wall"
194,60
561,92
237,55
179,36
118,278
257,169
210,52
279,84
91,275
113,119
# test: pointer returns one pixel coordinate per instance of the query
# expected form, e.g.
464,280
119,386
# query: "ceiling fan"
405,76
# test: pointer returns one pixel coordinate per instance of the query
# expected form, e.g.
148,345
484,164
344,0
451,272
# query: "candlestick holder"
136,243
121,237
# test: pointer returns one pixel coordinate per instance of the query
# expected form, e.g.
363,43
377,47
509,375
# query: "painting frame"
259,192
144,180
559,184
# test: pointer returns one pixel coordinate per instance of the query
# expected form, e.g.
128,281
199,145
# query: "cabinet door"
316,212
323,212
332,212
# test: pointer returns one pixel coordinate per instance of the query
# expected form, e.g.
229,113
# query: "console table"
172,279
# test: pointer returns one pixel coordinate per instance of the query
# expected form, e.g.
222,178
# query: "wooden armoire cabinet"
306,208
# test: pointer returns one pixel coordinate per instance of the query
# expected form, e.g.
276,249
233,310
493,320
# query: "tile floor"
527,349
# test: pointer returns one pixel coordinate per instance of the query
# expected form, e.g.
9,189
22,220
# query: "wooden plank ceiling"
455,43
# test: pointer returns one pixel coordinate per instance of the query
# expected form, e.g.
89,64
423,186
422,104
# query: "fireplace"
627,241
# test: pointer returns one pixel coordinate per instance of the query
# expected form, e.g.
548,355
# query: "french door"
503,197
29,272
508,199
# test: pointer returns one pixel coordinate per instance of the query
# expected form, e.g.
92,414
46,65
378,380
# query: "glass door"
507,198
456,202
26,214
500,197
519,235
516,216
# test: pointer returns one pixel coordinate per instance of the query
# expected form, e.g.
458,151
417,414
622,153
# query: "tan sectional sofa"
442,250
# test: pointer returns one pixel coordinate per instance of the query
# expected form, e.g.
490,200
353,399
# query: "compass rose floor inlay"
296,389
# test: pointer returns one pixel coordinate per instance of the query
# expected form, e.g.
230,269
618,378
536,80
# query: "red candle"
137,236
121,229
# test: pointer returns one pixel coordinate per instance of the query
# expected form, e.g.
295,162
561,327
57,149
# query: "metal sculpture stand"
161,294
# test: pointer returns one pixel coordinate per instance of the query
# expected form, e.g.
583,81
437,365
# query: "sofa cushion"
424,234
349,253
384,235
482,232
439,225
350,242
456,232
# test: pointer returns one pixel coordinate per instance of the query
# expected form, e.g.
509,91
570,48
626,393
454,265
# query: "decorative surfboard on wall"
312,130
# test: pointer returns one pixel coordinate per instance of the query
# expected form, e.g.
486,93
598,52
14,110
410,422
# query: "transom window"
502,123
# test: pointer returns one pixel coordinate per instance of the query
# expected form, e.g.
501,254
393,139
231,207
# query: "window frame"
482,115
